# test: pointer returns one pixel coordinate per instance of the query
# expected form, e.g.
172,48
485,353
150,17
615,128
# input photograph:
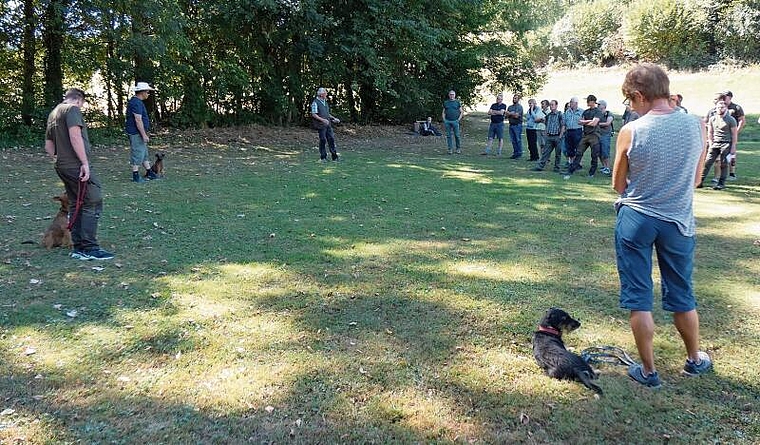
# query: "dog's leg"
585,378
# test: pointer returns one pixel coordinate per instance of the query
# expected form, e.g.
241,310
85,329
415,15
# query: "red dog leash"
81,191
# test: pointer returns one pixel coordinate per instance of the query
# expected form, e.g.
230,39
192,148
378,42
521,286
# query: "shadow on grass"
423,268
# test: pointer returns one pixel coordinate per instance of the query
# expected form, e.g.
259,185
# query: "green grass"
698,89
259,296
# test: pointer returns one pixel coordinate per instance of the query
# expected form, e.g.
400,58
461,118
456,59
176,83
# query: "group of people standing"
548,130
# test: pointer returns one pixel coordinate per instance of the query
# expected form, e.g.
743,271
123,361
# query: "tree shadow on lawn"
405,399
452,332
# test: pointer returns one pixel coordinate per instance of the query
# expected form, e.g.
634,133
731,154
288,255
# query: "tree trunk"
52,40
30,46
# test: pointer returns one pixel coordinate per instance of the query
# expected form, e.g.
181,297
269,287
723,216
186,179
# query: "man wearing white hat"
137,127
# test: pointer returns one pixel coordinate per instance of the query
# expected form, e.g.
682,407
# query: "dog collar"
548,330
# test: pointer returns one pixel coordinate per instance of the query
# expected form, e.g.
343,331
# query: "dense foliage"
237,61
686,34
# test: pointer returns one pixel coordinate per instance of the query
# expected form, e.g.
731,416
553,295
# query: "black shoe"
515,157
556,169
150,175
700,185
537,169
98,254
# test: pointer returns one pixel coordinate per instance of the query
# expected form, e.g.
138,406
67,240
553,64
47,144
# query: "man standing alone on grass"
496,128
137,127
67,142
323,120
722,132
452,113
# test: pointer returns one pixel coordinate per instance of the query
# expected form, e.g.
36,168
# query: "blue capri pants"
636,234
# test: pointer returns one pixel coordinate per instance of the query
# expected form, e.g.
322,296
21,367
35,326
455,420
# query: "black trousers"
84,232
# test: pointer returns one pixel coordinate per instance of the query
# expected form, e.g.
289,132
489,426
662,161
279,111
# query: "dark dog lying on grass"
58,234
158,167
551,354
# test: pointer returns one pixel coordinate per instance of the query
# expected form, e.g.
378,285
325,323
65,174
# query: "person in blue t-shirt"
496,129
137,127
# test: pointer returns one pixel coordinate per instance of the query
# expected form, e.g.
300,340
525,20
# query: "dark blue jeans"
326,137
572,139
84,232
515,135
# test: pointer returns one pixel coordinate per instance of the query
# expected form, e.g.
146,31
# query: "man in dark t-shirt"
590,121
66,140
496,128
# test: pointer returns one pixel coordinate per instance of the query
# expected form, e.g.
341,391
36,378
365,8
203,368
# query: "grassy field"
260,296
698,89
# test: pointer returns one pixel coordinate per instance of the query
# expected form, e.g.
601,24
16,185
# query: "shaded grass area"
258,295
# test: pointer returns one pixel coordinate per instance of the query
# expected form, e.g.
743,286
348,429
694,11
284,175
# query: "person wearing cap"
722,133
737,112
137,127
322,121
66,140
605,136
590,122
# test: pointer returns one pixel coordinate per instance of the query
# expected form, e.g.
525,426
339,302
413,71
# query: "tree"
29,47
53,39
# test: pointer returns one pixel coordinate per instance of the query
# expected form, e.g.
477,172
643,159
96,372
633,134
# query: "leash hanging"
81,191
607,354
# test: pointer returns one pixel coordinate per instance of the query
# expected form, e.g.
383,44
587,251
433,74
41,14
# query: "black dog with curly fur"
551,354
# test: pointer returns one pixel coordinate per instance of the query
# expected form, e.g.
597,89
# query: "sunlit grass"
258,296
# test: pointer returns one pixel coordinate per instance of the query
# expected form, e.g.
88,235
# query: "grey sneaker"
732,176
714,180
80,255
98,254
704,365
636,372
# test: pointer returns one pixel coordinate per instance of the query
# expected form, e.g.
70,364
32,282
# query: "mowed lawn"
260,296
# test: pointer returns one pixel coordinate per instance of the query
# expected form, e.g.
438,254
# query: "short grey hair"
574,99
321,90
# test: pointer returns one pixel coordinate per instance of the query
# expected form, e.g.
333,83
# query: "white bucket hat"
142,86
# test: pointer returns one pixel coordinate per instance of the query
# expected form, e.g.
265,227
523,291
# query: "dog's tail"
585,377
28,242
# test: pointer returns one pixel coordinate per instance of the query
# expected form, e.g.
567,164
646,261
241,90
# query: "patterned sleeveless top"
662,166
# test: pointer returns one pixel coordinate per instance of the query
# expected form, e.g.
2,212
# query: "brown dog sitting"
158,166
58,234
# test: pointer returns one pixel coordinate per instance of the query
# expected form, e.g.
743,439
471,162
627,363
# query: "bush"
588,32
742,37
672,32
